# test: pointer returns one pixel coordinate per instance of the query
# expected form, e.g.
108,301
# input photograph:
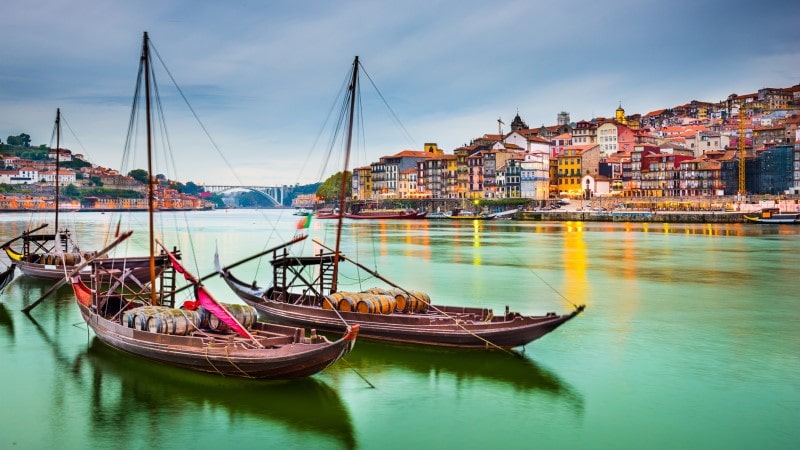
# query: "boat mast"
150,187
342,193
58,161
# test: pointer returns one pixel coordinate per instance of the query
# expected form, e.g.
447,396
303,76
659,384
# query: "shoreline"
633,216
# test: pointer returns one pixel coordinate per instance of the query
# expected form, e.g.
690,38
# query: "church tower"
620,115
518,124
563,118
433,148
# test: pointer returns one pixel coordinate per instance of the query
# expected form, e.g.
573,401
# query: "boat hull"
139,267
776,219
405,215
283,358
460,327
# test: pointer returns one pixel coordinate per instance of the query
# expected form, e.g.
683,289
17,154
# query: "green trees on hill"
23,140
329,190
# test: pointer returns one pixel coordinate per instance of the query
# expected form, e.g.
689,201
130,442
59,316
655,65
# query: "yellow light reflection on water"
477,227
575,262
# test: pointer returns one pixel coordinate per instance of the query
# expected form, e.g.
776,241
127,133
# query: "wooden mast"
58,162
150,187
342,191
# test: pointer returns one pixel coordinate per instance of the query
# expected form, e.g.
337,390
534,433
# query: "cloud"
262,76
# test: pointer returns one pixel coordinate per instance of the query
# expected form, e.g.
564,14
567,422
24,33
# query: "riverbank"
633,216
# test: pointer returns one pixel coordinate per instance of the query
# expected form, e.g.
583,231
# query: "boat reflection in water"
506,369
139,390
6,322
127,395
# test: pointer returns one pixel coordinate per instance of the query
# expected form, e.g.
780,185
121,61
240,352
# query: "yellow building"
576,161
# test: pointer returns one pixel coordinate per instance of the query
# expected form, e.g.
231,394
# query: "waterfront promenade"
656,210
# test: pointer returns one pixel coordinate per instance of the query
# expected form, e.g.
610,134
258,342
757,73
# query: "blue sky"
263,75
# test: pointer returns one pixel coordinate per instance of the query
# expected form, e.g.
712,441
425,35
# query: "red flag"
208,302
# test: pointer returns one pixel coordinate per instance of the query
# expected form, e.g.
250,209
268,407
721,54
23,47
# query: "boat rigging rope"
455,320
522,263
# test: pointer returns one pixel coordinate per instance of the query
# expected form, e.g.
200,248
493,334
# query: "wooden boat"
458,214
326,213
303,292
386,214
201,339
375,210
774,216
47,254
202,335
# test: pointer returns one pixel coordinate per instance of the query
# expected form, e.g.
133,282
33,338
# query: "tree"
71,192
139,175
23,140
329,190
192,189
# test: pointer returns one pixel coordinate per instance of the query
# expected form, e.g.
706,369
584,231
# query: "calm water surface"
689,340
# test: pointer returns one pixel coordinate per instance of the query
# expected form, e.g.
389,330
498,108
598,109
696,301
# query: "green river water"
690,339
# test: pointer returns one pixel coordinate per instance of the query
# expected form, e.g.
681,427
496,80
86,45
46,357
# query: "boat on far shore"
774,216
386,214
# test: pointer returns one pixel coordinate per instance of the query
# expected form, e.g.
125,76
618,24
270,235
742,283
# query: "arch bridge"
275,194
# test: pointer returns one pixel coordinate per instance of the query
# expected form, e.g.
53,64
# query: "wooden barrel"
376,304
348,302
412,302
368,304
378,291
173,321
401,299
69,259
331,301
421,302
244,314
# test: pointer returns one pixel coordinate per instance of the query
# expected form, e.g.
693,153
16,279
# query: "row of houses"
691,150
20,171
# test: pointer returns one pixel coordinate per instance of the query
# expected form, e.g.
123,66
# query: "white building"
535,174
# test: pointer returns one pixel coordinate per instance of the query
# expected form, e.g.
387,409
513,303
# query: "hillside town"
38,178
693,150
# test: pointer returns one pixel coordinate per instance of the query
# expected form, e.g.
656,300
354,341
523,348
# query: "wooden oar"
76,270
25,233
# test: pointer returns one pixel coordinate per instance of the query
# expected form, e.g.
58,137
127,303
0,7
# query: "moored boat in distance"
774,216
386,214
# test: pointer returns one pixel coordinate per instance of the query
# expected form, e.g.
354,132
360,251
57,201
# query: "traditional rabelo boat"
304,292
48,254
203,334
774,216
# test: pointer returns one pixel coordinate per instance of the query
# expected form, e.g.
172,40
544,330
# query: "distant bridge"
275,194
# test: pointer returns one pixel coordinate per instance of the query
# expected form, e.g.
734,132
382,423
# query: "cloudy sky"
262,76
